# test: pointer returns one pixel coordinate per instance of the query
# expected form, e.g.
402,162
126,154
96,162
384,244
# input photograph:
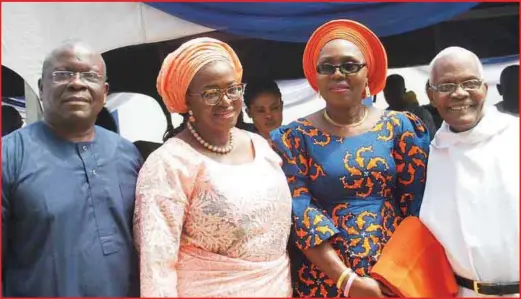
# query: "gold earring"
191,117
367,91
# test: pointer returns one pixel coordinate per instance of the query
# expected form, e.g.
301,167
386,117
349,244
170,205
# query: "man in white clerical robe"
471,200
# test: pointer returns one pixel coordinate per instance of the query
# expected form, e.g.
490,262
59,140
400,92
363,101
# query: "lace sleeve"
162,193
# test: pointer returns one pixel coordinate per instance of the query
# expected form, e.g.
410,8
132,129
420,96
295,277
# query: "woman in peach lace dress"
213,209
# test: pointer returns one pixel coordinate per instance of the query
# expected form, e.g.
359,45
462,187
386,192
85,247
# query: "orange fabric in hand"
414,264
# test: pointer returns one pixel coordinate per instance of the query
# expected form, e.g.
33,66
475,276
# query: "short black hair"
509,74
396,81
259,86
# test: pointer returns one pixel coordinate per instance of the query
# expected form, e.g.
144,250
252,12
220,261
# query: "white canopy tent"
31,30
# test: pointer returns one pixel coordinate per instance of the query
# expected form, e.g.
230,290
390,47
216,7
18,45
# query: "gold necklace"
334,123
223,150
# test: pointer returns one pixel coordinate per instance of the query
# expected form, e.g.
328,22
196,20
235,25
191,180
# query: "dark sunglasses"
345,68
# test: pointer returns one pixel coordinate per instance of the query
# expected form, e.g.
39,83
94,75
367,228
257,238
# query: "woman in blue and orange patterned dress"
354,171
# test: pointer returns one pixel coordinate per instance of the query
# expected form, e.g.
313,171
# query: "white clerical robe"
471,200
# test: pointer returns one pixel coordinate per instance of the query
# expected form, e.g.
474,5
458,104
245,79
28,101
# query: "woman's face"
266,112
341,90
215,83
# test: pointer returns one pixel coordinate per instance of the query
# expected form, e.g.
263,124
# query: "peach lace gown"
207,229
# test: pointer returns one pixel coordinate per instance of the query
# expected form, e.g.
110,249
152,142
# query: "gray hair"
455,51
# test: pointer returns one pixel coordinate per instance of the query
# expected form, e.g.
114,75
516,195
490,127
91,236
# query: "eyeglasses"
67,76
213,96
345,68
452,87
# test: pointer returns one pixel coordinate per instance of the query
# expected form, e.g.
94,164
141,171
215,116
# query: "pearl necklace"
331,121
223,150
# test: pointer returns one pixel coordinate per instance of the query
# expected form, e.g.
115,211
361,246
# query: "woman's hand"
386,291
365,287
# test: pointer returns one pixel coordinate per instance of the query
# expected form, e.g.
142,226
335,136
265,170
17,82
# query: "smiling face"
218,75
338,89
73,100
461,109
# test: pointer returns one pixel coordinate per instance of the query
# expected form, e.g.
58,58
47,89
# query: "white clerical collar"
492,123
